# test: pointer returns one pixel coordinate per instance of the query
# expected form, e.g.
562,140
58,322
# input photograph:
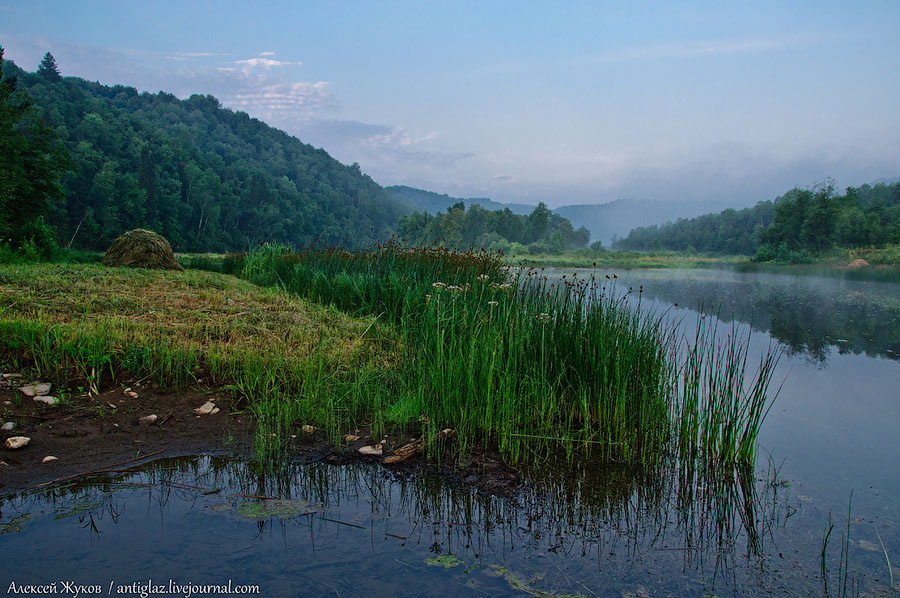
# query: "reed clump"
421,339
533,366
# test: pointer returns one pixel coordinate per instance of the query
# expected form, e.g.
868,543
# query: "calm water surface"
363,530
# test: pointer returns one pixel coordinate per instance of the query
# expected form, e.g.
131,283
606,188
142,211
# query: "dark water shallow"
592,532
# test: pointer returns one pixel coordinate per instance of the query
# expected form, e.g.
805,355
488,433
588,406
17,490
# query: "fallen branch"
107,469
404,452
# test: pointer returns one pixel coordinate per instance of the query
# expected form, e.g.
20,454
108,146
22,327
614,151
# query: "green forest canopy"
31,162
542,231
205,177
800,222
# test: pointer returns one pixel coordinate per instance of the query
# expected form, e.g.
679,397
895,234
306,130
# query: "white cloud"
199,54
397,137
267,53
649,52
265,64
281,100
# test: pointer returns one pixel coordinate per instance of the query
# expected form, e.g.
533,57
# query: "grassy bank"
531,366
421,339
88,326
883,263
622,260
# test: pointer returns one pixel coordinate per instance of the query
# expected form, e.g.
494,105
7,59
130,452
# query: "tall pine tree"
48,68
31,160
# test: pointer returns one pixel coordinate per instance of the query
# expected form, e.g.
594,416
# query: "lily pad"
79,507
14,525
447,561
273,509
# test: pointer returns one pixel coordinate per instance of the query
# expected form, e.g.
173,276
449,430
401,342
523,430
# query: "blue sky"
521,101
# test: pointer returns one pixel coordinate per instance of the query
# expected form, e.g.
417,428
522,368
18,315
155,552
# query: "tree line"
795,226
205,177
542,231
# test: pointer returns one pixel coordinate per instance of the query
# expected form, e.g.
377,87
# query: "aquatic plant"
532,365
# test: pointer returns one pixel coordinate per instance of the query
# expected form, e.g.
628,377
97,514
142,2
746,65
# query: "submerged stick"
93,471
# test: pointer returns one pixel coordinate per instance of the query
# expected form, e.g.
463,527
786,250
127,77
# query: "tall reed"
531,365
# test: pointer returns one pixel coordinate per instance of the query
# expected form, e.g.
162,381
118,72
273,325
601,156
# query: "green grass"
625,260
530,366
416,340
884,262
88,326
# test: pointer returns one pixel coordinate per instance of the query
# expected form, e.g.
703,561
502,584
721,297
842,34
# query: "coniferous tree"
48,68
31,161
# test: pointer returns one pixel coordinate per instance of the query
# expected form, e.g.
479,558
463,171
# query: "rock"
11,376
148,419
36,389
131,394
207,408
307,429
112,405
17,442
49,458
374,450
8,426
46,400
351,437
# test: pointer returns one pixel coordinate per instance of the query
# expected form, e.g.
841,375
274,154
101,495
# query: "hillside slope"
617,218
431,202
207,178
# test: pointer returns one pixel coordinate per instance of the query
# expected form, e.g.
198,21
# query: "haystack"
141,248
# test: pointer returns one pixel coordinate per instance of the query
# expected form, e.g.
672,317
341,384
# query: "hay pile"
141,248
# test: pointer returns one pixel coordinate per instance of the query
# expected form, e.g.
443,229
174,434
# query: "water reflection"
594,530
811,316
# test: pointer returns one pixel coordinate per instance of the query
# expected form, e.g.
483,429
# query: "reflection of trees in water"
808,319
599,517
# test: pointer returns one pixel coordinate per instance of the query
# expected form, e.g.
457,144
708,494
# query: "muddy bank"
87,433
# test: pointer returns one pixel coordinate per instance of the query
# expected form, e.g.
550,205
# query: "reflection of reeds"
534,366
694,520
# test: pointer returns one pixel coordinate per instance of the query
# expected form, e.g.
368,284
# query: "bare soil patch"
87,433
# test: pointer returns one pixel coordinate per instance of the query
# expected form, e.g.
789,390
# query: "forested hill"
432,203
607,221
800,223
207,178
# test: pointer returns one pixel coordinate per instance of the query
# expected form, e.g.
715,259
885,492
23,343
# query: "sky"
566,103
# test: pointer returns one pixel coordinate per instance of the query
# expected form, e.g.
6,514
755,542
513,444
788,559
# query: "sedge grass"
532,366
403,337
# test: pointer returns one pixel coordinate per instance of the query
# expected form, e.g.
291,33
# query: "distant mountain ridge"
605,221
429,201
617,218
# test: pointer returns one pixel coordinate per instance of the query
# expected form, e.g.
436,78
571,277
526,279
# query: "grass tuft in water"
534,366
